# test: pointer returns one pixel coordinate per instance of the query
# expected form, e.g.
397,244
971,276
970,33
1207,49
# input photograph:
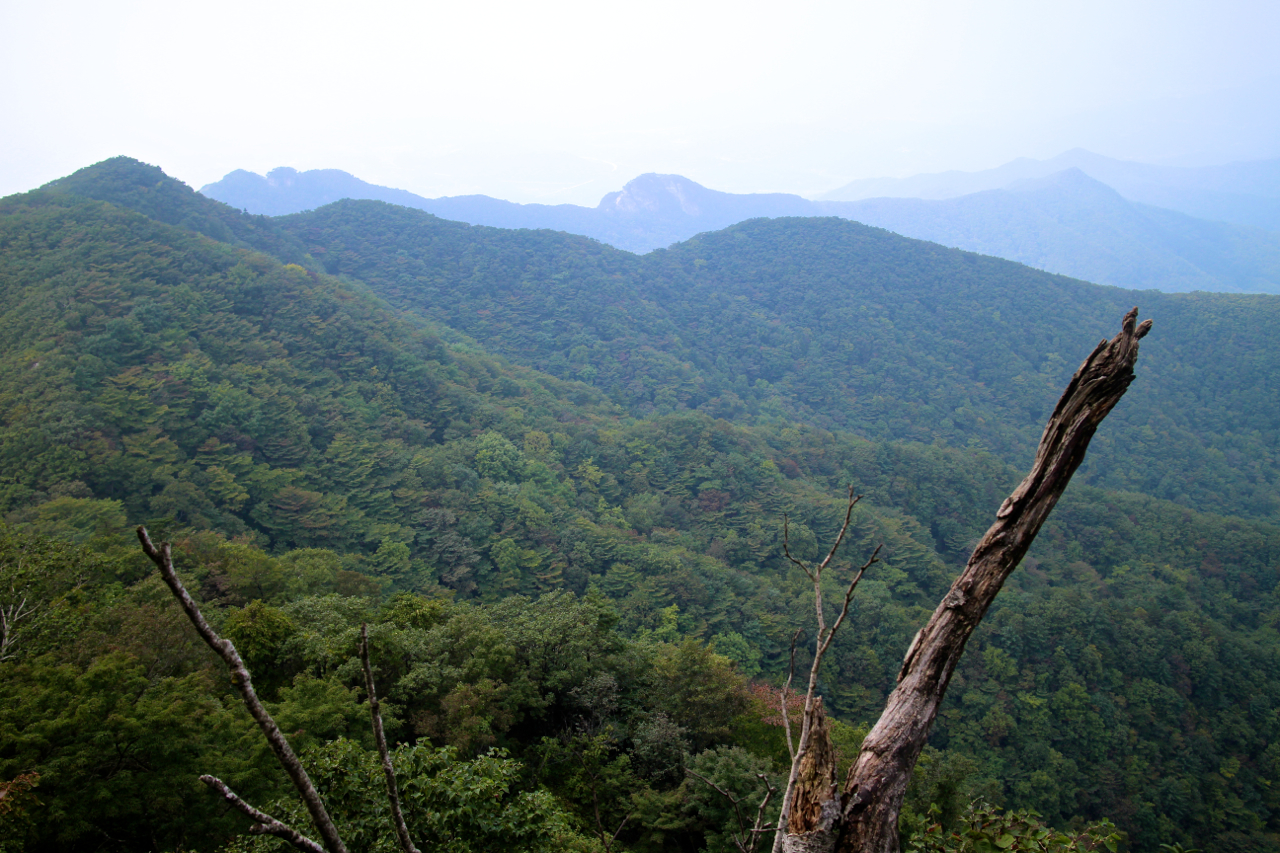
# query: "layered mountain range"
1090,217
366,412
1245,193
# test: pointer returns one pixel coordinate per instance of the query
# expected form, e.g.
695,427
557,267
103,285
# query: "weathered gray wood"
264,824
393,790
864,817
877,782
815,807
163,558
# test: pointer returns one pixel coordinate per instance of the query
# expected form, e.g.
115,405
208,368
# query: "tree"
862,815
471,806
37,577
816,817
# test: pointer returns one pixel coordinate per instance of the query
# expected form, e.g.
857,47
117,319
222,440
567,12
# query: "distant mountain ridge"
1245,193
650,212
284,190
1072,224
1065,222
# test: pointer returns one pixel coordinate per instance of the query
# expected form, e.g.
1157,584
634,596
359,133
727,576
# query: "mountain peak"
663,195
118,172
1073,180
284,176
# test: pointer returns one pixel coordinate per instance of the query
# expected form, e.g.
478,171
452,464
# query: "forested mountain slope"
843,326
1061,221
1070,223
149,191
313,451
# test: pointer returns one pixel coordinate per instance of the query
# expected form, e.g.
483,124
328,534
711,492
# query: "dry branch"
745,839
163,558
866,819
264,824
877,782
393,790
812,761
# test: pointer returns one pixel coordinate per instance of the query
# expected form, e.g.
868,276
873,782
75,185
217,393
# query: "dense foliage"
575,585
847,327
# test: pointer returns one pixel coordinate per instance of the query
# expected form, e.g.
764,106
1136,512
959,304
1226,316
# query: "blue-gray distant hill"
1070,223
651,212
1242,193
1066,223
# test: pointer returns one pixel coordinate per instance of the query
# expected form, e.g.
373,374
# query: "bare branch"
786,546
848,595
264,824
737,810
760,827
746,839
786,690
163,558
393,790
848,514
614,838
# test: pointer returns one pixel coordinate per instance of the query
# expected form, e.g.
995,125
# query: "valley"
550,474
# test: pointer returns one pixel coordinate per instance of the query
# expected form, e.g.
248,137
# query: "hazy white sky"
564,101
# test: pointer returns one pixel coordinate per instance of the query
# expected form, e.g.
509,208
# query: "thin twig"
265,824
393,790
746,838
848,514
742,821
163,558
786,546
848,595
759,828
786,690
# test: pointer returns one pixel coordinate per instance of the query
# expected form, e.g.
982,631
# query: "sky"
564,101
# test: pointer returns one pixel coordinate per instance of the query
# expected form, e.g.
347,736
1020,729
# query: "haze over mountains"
321,407
1080,214
1242,193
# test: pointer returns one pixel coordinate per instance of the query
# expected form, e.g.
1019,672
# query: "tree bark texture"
871,798
264,824
815,808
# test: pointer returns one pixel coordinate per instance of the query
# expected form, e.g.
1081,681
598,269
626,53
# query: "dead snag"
871,798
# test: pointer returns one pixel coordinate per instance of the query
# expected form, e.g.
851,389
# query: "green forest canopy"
617,438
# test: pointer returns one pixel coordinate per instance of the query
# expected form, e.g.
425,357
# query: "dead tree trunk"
866,819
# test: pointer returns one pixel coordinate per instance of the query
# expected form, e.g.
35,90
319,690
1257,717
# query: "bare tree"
862,817
813,766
